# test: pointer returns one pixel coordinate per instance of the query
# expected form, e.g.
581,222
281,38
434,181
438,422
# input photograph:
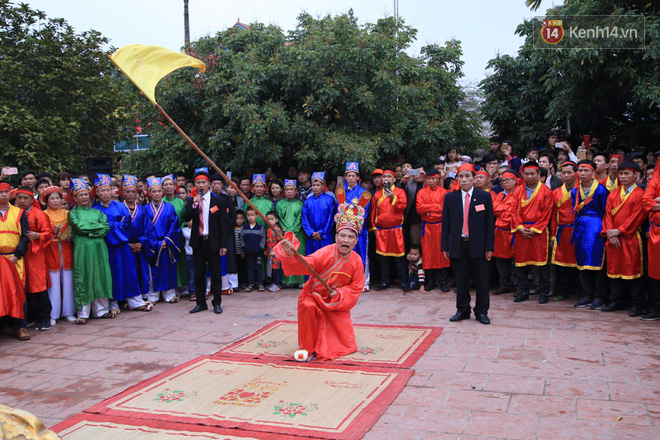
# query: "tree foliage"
59,102
600,91
327,92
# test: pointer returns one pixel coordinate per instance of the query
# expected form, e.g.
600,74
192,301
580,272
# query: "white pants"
168,295
225,282
133,303
60,294
233,280
367,272
98,307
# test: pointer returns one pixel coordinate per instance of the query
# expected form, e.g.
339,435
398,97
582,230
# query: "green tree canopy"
329,91
59,102
601,91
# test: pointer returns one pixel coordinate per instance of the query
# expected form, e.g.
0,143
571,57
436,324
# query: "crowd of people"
76,247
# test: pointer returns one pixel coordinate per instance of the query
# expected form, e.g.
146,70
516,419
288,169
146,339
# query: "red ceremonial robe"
12,295
387,218
533,213
429,204
502,204
561,228
36,270
652,192
626,213
324,323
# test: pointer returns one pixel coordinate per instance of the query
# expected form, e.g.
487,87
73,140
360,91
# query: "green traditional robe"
290,212
181,267
264,205
92,278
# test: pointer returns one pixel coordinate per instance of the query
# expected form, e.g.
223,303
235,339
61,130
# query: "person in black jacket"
468,239
210,217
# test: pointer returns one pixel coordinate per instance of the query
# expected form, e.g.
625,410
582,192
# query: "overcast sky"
484,27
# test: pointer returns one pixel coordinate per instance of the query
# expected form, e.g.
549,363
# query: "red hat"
467,167
376,171
390,172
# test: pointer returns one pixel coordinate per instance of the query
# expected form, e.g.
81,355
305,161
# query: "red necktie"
201,217
466,210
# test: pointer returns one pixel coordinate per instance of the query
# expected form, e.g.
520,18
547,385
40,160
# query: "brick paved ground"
538,371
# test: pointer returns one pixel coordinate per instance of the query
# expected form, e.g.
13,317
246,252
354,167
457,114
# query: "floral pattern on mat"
169,396
251,394
293,409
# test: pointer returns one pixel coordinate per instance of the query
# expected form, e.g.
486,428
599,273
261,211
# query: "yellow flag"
147,65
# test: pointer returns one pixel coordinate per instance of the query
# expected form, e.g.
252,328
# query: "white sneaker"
53,322
71,318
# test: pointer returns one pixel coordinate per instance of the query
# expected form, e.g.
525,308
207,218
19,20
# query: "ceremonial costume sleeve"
516,218
120,224
45,231
173,234
306,223
633,221
650,195
425,204
24,242
92,228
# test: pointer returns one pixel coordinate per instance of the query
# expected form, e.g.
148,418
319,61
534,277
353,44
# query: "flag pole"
239,192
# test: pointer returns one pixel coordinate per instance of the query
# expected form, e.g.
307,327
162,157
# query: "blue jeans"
413,281
277,276
190,265
254,269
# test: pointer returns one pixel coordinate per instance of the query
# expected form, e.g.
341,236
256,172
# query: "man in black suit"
468,239
210,217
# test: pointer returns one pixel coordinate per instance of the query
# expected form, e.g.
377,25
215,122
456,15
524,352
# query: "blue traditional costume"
138,231
589,213
124,276
352,196
163,228
318,216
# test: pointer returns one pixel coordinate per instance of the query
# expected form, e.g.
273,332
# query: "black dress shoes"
380,287
429,286
501,291
483,318
217,309
199,308
444,286
543,298
612,307
524,296
635,310
459,317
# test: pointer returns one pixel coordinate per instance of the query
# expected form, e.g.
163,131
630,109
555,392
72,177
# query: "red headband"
4,186
509,174
586,165
534,166
614,156
390,172
568,162
483,172
467,167
24,191
202,177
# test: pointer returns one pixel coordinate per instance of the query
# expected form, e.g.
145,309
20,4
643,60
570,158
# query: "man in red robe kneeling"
325,328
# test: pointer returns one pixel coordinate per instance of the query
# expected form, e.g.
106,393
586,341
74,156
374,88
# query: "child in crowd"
190,263
275,264
415,271
254,244
241,262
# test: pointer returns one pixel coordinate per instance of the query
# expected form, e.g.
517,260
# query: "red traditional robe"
387,218
12,295
502,205
652,192
324,323
36,270
609,183
561,228
59,254
429,204
626,213
533,213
